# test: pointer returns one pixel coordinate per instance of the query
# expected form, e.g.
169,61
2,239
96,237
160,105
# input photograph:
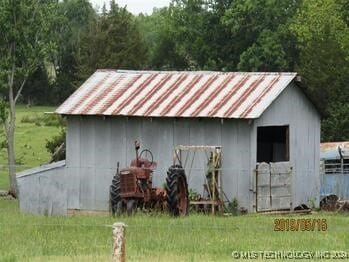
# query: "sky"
135,6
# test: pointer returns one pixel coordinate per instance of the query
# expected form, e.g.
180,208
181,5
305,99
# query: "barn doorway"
272,144
273,170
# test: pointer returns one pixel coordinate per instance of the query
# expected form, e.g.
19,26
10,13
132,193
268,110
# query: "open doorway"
272,144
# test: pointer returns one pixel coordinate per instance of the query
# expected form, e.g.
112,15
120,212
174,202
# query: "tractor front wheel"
177,191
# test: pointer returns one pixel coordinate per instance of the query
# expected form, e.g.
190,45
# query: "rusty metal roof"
331,150
176,94
327,146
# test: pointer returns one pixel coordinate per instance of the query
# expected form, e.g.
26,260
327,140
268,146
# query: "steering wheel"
146,151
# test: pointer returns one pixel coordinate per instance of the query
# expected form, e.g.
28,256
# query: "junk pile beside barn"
334,203
254,118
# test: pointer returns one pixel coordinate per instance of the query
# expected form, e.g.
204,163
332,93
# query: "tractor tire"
114,197
177,191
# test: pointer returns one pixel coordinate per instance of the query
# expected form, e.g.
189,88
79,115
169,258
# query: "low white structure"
255,117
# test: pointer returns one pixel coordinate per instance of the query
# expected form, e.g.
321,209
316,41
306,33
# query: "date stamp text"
300,224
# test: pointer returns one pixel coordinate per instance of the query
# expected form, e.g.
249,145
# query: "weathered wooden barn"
255,117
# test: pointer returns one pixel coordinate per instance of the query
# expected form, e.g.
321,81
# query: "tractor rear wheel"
177,191
115,198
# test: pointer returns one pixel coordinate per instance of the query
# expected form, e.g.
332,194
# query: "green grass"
30,141
157,238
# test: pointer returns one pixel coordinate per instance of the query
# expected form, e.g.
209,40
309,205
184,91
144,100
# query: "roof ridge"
191,72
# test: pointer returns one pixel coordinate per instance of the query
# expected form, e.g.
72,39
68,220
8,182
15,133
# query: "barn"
266,126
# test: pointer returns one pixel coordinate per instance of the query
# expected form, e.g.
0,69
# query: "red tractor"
132,187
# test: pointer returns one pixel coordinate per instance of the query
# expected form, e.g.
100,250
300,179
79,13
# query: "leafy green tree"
158,35
323,40
74,20
336,126
189,19
38,88
259,28
221,35
189,35
113,41
266,54
25,30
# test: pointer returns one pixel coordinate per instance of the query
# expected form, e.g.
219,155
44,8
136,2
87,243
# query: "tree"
37,89
189,35
113,41
221,35
336,127
161,46
266,54
24,43
262,39
75,18
323,42
190,20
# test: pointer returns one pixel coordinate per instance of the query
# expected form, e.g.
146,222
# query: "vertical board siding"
43,190
104,142
230,158
73,161
133,133
294,109
196,177
157,136
117,141
87,158
102,163
243,145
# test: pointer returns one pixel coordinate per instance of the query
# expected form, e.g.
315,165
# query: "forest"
48,48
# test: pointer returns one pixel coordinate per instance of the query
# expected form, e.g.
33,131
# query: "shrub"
233,207
56,146
194,195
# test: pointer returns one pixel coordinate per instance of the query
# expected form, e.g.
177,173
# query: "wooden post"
119,252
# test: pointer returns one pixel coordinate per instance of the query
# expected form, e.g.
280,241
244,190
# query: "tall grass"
157,237
40,119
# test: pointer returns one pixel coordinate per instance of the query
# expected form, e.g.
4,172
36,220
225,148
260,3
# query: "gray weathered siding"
95,144
294,109
42,190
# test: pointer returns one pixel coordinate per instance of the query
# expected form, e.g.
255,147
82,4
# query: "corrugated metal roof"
330,150
176,94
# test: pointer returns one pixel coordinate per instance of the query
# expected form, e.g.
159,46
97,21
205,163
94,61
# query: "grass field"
158,238
30,140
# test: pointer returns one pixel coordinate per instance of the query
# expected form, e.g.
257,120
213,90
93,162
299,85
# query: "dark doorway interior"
272,144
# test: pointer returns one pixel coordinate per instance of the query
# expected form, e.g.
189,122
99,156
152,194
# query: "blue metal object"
334,171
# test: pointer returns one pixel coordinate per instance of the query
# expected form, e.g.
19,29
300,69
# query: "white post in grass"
119,252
